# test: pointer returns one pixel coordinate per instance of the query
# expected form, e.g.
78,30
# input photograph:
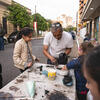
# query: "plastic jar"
51,74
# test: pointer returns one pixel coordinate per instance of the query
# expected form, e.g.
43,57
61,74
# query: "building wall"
3,8
82,4
6,1
92,19
65,20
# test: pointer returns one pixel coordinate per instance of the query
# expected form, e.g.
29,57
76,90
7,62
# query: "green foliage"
41,22
18,15
70,28
49,22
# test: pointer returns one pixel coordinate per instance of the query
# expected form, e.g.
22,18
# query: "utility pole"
35,9
35,23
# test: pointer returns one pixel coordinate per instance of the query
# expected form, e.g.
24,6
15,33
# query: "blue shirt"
80,80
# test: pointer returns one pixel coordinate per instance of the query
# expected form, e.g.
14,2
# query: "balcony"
90,10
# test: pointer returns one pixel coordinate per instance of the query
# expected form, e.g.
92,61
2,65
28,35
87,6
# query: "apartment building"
80,12
65,20
91,15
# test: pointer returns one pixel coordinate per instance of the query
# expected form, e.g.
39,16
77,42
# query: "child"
22,56
76,64
91,70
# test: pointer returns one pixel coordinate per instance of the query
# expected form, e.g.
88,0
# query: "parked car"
73,35
5,40
13,36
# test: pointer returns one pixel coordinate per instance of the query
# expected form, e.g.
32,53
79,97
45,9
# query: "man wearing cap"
56,42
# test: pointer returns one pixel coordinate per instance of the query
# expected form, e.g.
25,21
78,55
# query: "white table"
42,83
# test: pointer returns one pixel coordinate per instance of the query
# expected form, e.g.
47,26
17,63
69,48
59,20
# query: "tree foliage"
18,15
41,22
49,22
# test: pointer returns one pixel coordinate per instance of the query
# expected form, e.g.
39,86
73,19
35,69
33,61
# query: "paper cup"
31,88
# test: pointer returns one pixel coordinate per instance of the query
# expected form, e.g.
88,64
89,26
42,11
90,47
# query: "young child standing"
22,55
76,64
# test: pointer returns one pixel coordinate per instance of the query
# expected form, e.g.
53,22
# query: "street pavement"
10,72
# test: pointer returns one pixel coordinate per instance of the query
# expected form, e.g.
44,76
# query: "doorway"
4,21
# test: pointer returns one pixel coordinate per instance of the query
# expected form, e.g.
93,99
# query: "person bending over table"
57,44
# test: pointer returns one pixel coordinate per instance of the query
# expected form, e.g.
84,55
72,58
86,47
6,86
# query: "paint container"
51,74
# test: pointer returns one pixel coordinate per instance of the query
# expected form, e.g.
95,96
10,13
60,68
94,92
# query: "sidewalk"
38,37
79,40
74,52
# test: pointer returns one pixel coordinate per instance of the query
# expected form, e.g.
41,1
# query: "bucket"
51,74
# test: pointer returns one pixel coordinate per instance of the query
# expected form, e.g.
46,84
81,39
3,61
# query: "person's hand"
29,64
64,68
37,60
53,60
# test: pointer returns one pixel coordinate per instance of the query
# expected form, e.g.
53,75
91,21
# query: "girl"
22,56
76,64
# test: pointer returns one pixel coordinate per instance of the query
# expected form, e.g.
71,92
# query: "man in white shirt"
56,42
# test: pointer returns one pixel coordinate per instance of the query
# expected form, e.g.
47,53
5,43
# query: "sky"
51,9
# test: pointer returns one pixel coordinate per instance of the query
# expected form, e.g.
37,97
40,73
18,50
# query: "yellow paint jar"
51,74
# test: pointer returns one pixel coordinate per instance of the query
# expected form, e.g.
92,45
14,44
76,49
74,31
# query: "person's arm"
68,50
35,58
64,68
46,53
17,54
71,64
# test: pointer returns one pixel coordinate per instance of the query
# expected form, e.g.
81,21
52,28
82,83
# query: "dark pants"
1,43
81,96
21,70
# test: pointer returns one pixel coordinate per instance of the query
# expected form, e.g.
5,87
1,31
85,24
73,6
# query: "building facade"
65,20
91,15
7,26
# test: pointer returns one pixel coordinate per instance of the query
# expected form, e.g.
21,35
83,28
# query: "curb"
35,38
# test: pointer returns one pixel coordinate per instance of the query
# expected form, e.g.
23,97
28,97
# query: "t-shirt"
58,46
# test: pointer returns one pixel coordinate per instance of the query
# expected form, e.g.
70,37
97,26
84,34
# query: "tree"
49,22
18,15
41,22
